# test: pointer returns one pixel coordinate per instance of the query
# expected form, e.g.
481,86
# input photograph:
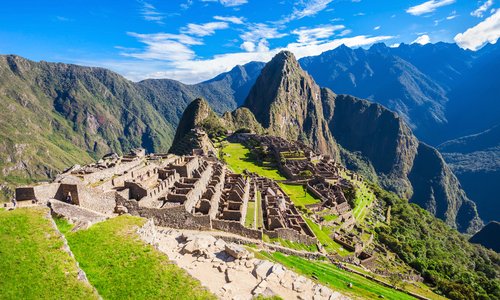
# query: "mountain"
402,164
475,159
488,236
441,90
224,93
368,138
288,103
55,115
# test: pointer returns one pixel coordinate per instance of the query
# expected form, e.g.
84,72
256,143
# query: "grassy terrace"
330,275
323,236
121,266
290,244
238,158
33,264
250,217
297,195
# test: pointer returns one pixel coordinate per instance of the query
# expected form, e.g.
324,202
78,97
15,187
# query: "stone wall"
175,217
110,172
42,192
291,235
97,200
237,228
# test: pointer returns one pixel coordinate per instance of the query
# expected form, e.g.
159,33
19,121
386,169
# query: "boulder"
262,268
198,243
235,250
121,210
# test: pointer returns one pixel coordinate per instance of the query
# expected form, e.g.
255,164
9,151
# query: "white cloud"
248,46
150,13
376,28
305,8
428,7
311,35
479,12
234,20
395,45
345,32
311,8
228,3
163,46
488,31
204,29
452,16
166,57
302,50
422,40
258,34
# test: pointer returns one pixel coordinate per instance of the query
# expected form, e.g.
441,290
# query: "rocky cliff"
287,102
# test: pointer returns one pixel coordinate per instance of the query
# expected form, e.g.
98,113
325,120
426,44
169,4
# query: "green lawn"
237,158
322,234
330,275
260,222
364,198
290,244
121,266
250,217
33,264
297,195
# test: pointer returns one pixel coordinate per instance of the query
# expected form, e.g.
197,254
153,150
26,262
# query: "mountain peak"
287,102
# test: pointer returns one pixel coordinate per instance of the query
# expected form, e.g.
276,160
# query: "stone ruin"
281,217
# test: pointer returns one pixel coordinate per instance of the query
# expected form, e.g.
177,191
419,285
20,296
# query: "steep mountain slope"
56,115
287,102
488,236
404,165
475,159
284,97
441,90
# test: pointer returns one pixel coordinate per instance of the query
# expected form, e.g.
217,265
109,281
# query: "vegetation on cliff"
446,260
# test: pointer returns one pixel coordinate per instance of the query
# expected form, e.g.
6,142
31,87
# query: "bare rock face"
236,251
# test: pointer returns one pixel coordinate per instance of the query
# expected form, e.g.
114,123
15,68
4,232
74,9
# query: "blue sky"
194,40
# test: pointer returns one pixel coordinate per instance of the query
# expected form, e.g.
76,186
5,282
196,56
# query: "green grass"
330,275
260,222
238,159
290,244
121,266
33,264
250,217
297,195
364,198
323,236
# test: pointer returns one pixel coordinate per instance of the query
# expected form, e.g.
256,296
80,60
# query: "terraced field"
33,264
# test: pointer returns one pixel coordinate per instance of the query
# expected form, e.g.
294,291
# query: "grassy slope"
121,266
33,264
338,279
